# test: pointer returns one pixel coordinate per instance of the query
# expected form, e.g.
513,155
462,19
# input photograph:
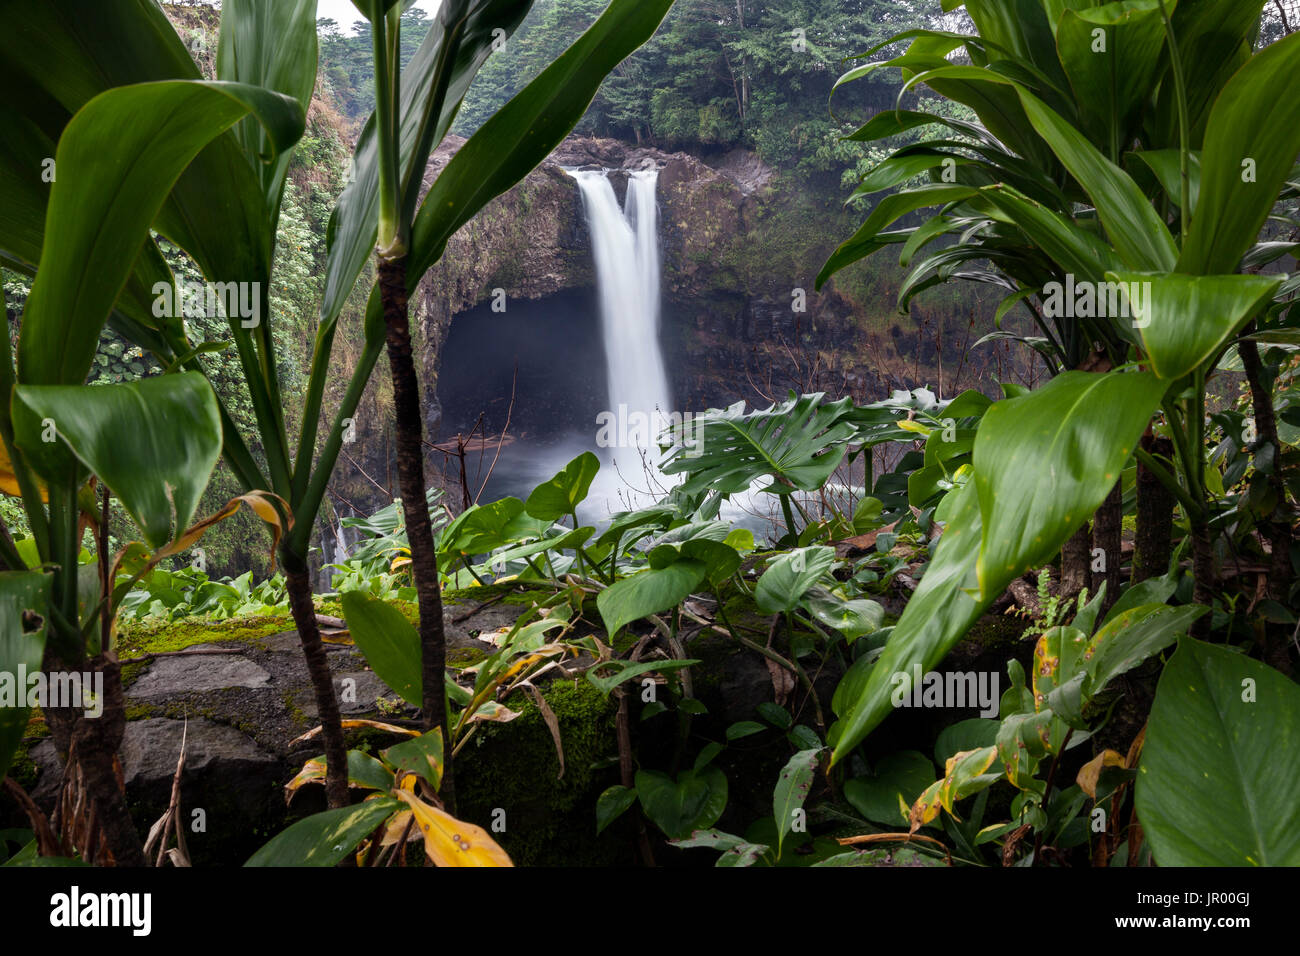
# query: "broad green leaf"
324,839
524,131
366,771
388,641
154,442
791,791
791,576
852,618
1044,463
612,804
889,210
694,801
890,123
21,652
118,159
1166,165
483,528
907,163
884,796
1075,249
1215,784
720,560
421,755
744,728
648,592
645,521
1184,320
572,539
561,495
1217,37
1251,144
969,734
1113,83
98,44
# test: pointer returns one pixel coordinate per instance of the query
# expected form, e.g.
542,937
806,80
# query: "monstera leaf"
798,444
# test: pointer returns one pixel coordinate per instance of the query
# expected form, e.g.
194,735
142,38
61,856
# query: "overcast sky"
344,12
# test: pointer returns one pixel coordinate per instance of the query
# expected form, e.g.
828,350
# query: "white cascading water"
625,245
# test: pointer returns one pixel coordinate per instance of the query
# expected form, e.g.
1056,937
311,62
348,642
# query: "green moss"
509,593
295,712
138,639
994,632
461,657
140,711
23,771
513,767
36,725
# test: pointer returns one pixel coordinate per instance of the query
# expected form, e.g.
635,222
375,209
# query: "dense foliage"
1126,173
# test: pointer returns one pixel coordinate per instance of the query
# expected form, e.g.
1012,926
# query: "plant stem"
411,482
298,585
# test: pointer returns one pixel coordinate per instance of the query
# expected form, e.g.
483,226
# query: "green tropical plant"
1045,461
401,807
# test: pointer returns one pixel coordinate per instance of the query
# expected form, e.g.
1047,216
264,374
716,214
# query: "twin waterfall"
625,245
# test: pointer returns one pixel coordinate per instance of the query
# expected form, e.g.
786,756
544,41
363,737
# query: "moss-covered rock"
514,767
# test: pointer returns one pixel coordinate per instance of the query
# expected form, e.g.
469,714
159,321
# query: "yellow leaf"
262,505
9,480
452,842
313,771
1089,772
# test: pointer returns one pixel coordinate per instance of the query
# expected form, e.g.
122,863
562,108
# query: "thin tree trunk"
1074,563
298,584
410,478
1203,575
93,742
1276,526
1108,535
1154,542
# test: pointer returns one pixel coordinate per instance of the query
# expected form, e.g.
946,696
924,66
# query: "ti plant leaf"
154,442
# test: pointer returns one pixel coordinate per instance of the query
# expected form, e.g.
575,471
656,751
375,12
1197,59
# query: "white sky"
345,13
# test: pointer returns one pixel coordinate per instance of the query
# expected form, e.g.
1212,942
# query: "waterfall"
625,246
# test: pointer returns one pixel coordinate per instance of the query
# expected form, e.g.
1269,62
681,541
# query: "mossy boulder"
513,767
